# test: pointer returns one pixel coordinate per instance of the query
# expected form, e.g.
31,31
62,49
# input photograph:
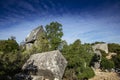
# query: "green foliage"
78,57
107,64
116,60
54,34
95,58
11,59
87,72
70,74
104,54
42,43
8,45
97,43
114,48
11,64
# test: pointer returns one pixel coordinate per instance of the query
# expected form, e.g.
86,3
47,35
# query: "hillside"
83,61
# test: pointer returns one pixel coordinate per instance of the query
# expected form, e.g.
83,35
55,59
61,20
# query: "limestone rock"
32,38
101,46
51,65
96,65
96,49
98,56
34,34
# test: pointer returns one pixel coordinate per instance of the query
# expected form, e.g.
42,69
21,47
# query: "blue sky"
87,20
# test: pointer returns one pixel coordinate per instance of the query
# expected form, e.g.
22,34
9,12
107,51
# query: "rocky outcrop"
97,57
50,65
110,55
32,38
101,46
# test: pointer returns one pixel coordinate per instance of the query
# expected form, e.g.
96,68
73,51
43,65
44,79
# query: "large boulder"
50,65
33,37
101,46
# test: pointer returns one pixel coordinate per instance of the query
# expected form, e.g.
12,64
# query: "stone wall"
101,46
32,38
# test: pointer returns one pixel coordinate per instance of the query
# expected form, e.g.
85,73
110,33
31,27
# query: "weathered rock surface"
98,57
32,38
101,46
51,65
96,49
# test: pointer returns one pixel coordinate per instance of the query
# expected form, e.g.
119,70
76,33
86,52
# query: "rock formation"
51,65
32,38
101,46
98,57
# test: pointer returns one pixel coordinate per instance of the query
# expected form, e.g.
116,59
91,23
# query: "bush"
10,64
116,60
114,48
79,57
104,54
87,72
7,46
107,64
11,59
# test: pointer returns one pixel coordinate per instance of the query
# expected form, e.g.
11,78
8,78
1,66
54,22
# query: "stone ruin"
46,66
98,55
101,46
32,38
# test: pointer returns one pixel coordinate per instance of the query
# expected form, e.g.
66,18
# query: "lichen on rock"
51,65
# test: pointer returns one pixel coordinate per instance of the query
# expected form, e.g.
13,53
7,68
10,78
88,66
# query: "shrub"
79,57
87,72
107,64
114,48
116,60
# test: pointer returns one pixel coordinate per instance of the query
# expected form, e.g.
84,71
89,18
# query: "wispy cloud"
98,23
90,29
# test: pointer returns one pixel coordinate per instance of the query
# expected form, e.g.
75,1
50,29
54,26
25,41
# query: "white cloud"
87,29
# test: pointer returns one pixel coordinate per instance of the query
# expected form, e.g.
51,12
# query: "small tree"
54,34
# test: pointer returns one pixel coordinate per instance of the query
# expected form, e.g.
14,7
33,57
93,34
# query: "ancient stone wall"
101,46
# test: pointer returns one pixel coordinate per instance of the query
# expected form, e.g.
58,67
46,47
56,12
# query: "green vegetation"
10,58
97,43
116,60
79,56
42,43
8,45
114,48
54,34
107,64
103,53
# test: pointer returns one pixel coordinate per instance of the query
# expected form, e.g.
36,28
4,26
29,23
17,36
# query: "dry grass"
105,76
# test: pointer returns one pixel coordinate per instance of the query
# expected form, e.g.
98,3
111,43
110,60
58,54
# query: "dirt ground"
105,75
